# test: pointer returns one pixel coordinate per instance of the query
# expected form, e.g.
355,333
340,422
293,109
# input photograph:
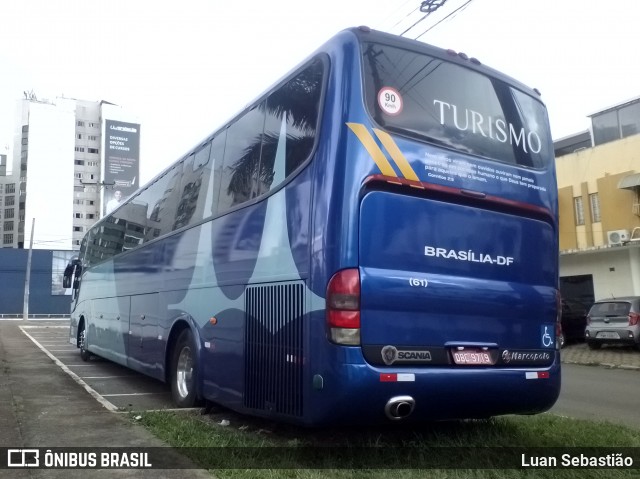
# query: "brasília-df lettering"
478,124
467,255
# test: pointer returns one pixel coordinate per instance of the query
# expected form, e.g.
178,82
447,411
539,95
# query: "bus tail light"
343,307
634,318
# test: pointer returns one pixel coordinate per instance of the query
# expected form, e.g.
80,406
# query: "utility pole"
27,278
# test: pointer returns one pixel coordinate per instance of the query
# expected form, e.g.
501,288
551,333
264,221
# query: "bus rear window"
456,107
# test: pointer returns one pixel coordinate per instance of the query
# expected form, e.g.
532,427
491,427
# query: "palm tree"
297,103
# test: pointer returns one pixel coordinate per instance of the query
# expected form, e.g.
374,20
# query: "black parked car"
574,321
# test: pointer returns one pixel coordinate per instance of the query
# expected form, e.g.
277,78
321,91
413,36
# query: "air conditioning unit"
617,237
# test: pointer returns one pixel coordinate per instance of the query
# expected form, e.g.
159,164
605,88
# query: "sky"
184,68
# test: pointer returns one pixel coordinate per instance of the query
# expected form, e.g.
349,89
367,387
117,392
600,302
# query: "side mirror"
71,274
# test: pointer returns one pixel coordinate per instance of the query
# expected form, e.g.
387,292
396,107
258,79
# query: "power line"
405,17
427,7
462,7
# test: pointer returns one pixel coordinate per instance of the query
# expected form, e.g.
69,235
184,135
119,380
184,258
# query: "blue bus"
375,239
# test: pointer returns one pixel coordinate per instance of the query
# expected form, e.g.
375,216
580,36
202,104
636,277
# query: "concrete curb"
605,365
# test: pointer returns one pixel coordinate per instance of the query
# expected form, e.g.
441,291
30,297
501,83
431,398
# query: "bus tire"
85,355
184,371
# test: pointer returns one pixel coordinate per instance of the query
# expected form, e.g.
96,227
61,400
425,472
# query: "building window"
8,225
79,162
92,163
594,200
80,149
77,228
579,210
93,137
7,239
8,213
78,175
11,188
94,125
615,124
92,150
10,201
79,123
90,216
90,202
78,215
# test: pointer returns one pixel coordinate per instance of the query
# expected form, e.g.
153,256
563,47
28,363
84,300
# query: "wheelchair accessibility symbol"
547,333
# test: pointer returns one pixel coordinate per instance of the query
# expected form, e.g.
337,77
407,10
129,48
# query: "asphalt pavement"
43,407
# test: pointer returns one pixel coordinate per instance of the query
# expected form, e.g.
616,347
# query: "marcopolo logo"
525,357
467,255
391,354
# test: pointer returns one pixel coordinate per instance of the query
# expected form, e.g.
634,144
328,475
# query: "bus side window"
162,198
213,185
290,125
241,159
188,189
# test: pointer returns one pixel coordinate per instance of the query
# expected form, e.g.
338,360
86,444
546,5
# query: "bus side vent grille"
274,352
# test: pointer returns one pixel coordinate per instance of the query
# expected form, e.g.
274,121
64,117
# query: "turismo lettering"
497,130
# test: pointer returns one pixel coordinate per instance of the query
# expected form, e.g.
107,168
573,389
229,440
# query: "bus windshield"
425,97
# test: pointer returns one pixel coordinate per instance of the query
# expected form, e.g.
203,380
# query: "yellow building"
599,203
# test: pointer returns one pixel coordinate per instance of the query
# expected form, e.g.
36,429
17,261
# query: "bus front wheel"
183,378
85,355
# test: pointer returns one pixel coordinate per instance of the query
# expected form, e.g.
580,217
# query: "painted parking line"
29,326
134,394
107,377
109,406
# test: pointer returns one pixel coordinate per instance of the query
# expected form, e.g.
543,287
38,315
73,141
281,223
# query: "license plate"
607,335
472,357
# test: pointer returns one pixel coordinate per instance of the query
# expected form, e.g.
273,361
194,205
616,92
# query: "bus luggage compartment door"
435,274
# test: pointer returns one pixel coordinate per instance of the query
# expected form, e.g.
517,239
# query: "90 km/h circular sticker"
390,101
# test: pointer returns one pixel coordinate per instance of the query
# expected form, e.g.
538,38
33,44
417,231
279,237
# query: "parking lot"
119,389
44,403
115,387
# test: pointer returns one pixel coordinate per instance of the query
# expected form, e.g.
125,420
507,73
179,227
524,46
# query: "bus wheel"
183,380
84,354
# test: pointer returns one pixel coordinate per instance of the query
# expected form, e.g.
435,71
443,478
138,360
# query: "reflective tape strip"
399,377
537,374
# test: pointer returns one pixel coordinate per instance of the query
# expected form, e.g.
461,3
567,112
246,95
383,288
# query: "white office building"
69,157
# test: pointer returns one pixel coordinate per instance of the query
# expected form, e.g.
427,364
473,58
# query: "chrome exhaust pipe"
399,407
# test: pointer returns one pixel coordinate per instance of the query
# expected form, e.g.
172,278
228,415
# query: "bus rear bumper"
365,394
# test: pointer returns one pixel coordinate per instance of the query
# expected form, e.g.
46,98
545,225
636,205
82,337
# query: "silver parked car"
614,321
